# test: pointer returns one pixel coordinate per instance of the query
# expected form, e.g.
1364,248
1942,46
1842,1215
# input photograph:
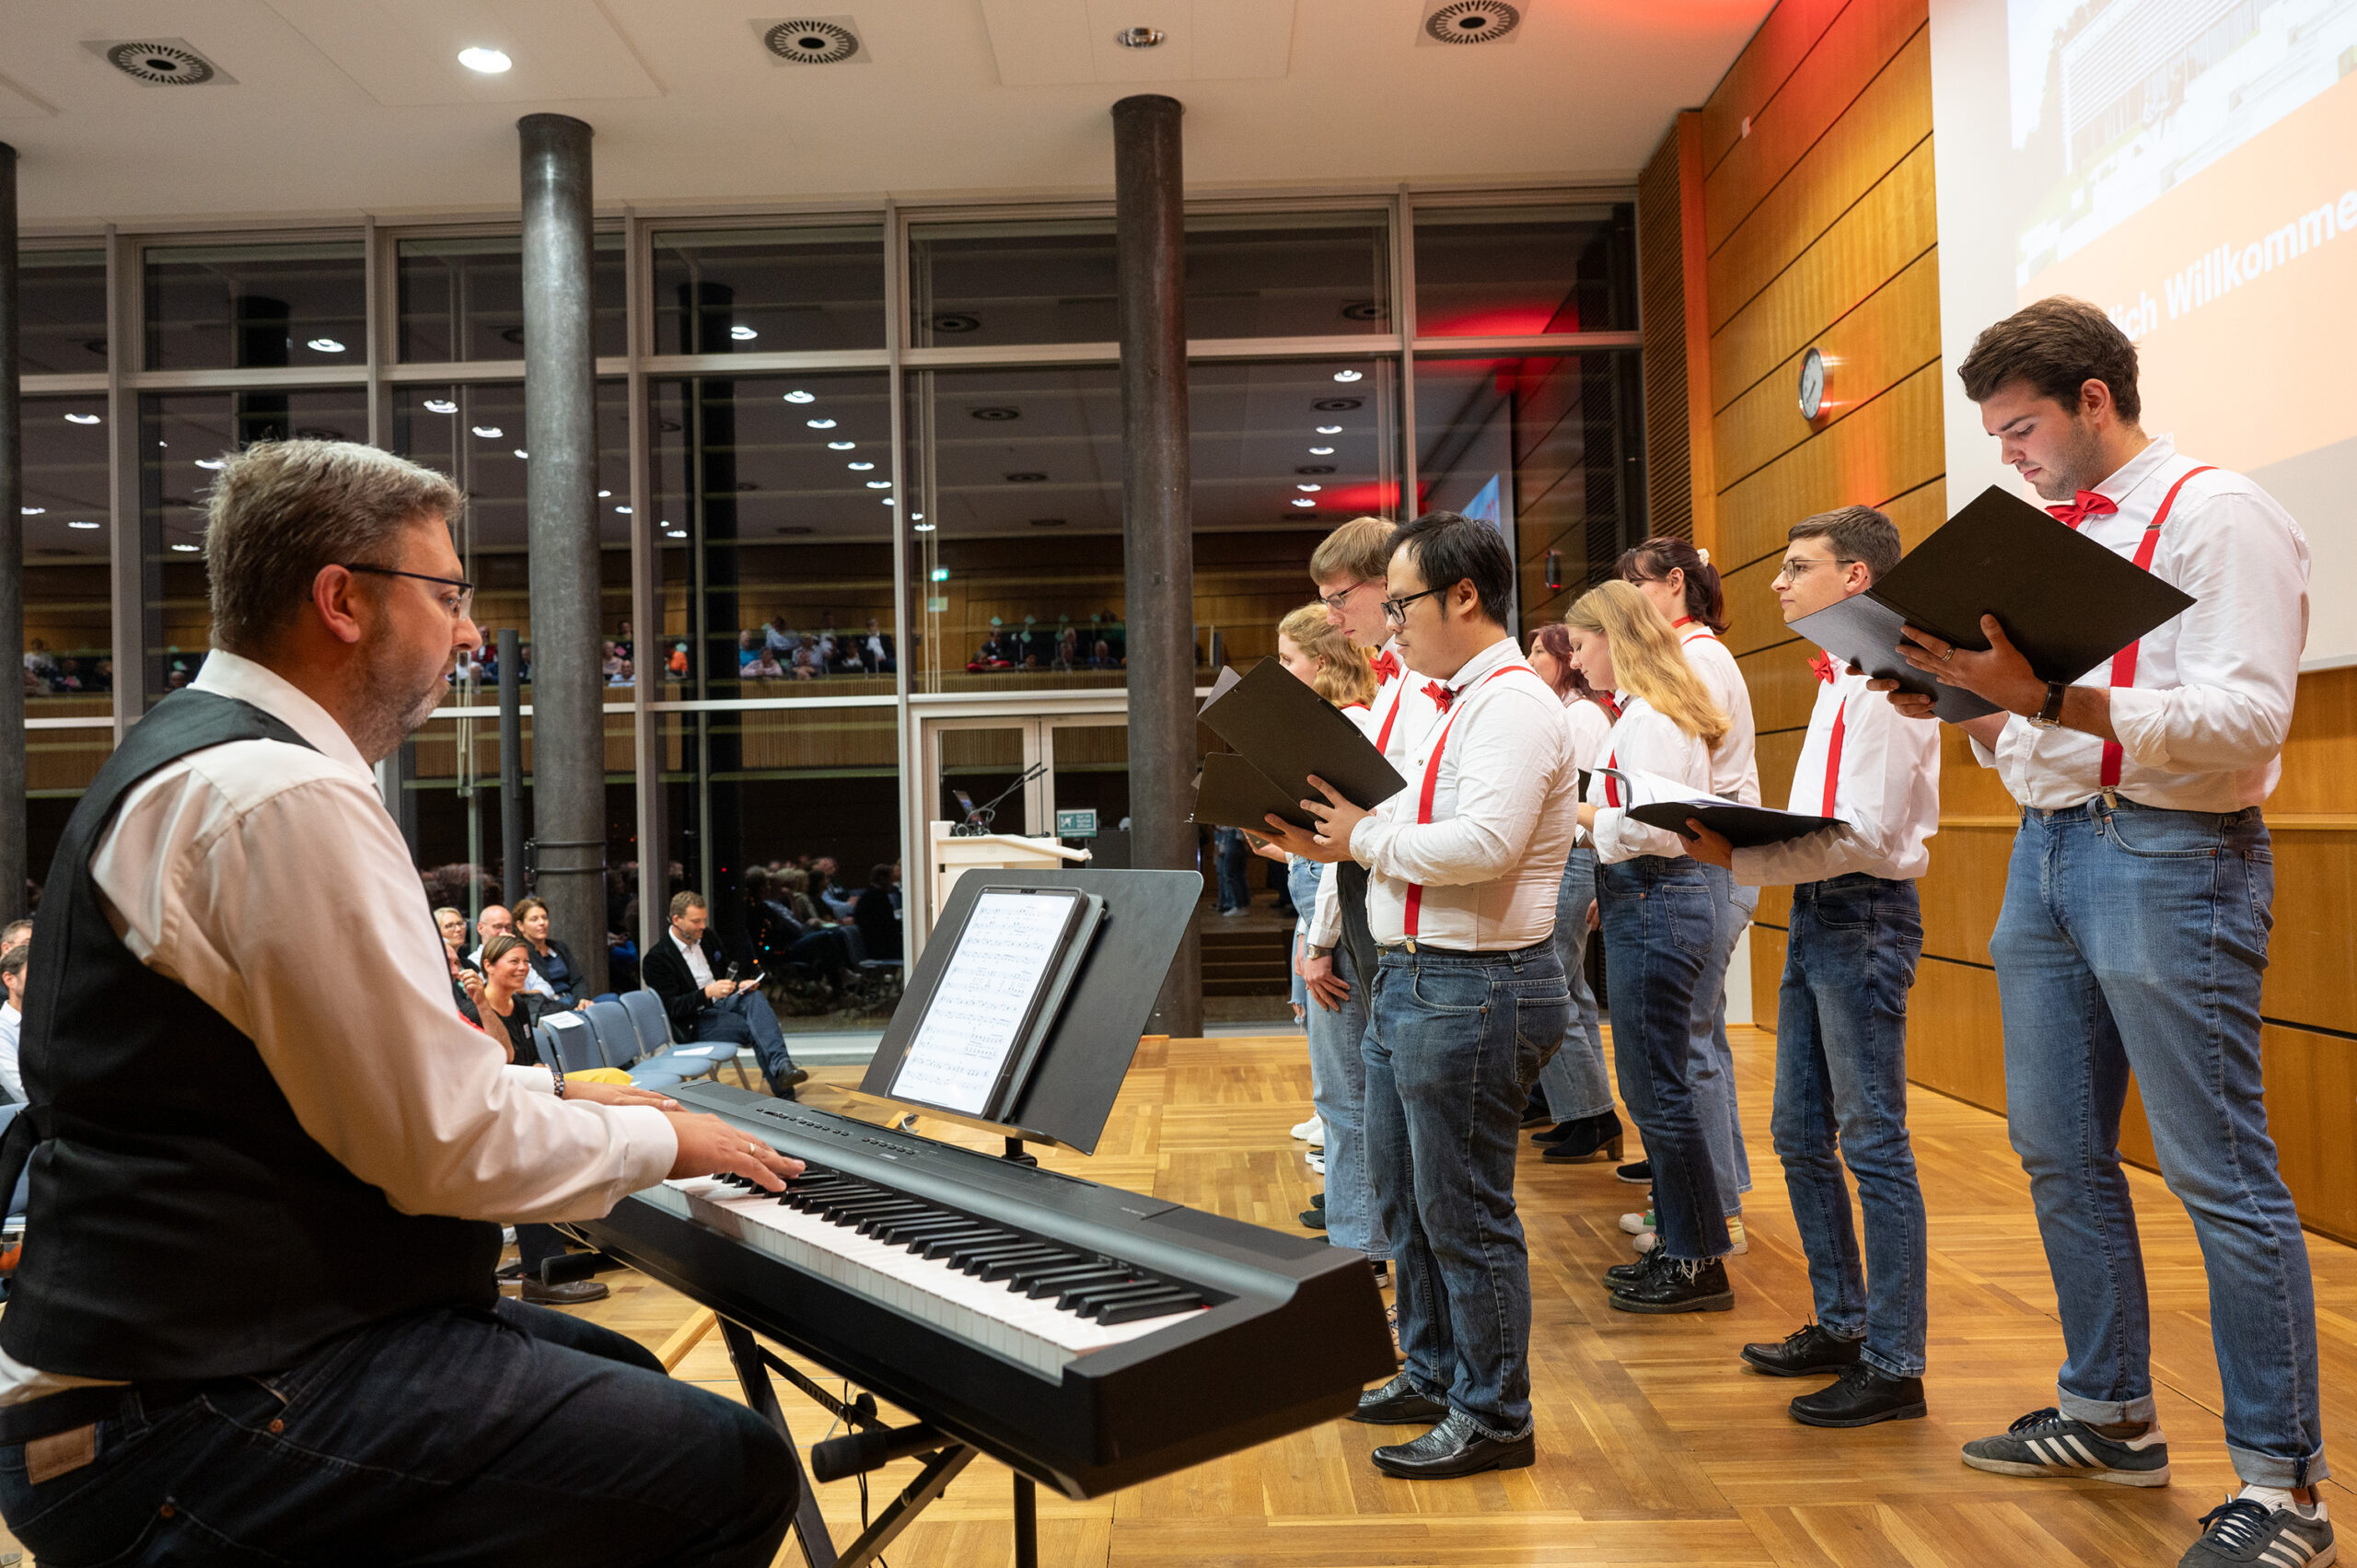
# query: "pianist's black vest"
182,1223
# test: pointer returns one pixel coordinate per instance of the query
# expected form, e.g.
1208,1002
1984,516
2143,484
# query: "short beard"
390,709
2077,471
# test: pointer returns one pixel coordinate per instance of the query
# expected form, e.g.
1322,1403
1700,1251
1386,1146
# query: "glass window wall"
69,621
257,307
1499,272
63,305
462,297
769,290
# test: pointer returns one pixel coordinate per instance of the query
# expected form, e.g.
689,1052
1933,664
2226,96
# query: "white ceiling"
344,107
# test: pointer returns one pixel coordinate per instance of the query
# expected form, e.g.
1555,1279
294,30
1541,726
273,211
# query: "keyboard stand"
754,1363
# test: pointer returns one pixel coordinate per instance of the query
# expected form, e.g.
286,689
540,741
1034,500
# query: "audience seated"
552,961
453,924
16,934
704,1000
878,913
12,1021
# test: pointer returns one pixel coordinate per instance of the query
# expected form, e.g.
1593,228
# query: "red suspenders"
2123,662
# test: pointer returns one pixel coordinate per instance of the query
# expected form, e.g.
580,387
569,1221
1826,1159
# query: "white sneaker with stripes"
2047,1442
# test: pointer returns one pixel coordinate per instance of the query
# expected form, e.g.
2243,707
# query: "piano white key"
935,1291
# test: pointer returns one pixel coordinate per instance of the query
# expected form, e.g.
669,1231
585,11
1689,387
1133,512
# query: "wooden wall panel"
2312,956
1767,968
2320,753
2311,1099
1892,115
1785,39
1889,447
1890,336
1964,889
1784,689
1953,1042
1888,228
1855,51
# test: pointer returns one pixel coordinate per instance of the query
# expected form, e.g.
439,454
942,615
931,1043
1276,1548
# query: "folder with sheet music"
1658,802
1282,732
2066,601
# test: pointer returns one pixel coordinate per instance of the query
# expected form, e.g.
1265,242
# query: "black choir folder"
1658,802
1284,731
2066,602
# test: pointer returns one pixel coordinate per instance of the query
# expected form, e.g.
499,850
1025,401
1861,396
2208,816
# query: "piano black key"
1080,1299
881,1224
901,1232
1131,1312
1044,1256
973,1259
1052,1283
951,1245
852,1210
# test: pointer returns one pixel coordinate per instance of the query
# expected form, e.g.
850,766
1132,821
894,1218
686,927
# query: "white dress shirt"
1888,796
1646,740
1490,859
2202,728
698,965
12,1077
211,873
1590,728
1734,768
1325,925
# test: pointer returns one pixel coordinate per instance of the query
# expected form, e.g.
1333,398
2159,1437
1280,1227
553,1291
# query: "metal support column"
560,434
13,869
1157,522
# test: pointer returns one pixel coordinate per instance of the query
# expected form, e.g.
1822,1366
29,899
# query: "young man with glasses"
2135,932
1468,999
1856,933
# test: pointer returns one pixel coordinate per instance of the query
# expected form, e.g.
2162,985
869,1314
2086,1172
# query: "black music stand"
1066,1099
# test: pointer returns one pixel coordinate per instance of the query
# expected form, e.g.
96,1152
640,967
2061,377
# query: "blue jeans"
1453,1041
1232,857
451,1434
1841,1098
1660,926
1732,904
1338,1088
1301,891
1576,1083
2132,940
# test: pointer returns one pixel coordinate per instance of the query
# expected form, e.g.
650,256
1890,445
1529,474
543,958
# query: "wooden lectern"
951,858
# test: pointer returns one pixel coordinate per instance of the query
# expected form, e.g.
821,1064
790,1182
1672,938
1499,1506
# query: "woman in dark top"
549,957
507,1011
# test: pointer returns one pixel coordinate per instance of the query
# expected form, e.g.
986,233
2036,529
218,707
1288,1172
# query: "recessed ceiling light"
1349,376
859,467
1310,487
440,405
489,431
880,484
675,533
185,549
325,346
819,423
213,463
521,453
743,334
924,528
489,62
603,494
1322,451
1330,430
889,502
77,524
81,419
799,396
33,511
1303,500
916,516
623,510
840,445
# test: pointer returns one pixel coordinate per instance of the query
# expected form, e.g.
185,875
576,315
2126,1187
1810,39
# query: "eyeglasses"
1336,601
1395,611
457,605
1795,570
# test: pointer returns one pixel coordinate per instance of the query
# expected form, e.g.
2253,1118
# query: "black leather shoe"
571,1293
1679,1287
1620,1276
782,1085
1454,1447
1806,1353
1314,1217
1317,1199
1861,1396
1535,1113
1638,1174
1593,1137
1396,1403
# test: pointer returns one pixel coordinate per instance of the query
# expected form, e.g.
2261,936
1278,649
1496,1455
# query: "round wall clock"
1812,383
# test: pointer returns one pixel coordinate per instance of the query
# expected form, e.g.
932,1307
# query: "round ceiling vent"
1314,467
811,43
1472,21
1026,479
1047,522
796,530
998,415
956,321
165,63
1363,310
1338,405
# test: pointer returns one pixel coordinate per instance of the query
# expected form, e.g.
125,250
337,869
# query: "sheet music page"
977,1011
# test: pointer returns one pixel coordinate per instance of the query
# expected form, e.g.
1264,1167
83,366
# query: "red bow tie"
1822,668
2090,504
1387,666
1441,695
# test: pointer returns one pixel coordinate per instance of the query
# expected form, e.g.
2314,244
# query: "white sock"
2281,1497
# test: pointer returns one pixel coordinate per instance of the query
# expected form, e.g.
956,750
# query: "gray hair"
282,509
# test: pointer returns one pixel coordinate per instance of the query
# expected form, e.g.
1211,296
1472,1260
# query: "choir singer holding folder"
1856,931
1468,999
2134,928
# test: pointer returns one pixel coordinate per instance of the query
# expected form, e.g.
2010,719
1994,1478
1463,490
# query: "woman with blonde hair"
1322,656
1659,922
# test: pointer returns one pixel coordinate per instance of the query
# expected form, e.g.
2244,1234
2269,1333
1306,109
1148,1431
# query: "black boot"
1861,1396
1805,1353
1688,1286
1591,1138
1620,1276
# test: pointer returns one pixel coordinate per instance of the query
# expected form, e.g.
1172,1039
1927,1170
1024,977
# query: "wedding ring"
1948,655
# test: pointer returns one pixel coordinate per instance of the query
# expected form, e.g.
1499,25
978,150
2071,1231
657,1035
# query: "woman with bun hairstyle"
1678,580
1574,1089
1659,922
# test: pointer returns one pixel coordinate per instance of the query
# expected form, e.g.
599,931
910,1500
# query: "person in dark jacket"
552,959
876,913
687,970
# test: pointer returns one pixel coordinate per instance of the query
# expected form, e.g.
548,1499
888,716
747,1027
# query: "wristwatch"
2050,716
